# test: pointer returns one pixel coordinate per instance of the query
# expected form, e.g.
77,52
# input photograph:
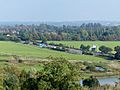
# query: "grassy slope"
77,44
36,52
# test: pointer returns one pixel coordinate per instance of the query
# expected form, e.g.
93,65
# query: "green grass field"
8,49
11,48
77,44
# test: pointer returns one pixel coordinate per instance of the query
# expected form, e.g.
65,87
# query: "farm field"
7,49
77,44
10,49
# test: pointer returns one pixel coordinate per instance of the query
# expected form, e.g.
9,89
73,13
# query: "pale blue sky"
59,10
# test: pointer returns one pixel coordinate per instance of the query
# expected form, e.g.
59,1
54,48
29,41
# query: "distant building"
93,48
27,42
97,54
31,43
13,32
22,42
74,51
8,35
51,46
42,45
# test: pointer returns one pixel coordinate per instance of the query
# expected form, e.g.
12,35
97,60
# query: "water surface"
107,80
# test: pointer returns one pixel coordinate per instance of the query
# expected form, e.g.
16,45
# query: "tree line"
85,32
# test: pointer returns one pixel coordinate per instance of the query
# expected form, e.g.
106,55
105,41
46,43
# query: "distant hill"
78,23
71,23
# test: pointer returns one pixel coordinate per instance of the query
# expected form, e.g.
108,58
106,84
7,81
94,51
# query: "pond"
107,80
99,69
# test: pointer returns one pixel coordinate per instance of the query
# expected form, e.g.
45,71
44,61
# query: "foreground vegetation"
58,74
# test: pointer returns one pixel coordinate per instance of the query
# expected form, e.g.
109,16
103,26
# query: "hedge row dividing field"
77,44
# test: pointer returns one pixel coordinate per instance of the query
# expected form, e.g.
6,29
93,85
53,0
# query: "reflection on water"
110,81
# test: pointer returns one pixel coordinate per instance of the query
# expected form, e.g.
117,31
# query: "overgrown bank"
58,74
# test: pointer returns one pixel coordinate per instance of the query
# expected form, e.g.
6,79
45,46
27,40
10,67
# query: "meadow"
7,49
77,44
29,52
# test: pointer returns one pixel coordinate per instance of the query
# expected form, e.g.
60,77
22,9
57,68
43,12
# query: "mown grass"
11,48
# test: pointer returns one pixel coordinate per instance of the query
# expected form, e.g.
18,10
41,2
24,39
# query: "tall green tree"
117,54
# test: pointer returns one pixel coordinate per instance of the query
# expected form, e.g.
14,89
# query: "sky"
59,10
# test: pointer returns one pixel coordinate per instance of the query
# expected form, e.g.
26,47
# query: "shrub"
91,82
91,68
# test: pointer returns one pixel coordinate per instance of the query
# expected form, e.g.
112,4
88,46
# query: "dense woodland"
86,32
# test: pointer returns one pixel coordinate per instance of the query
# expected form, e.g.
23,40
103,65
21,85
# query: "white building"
93,48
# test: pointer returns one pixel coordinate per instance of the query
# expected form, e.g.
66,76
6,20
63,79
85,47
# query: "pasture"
8,49
77,44
25,52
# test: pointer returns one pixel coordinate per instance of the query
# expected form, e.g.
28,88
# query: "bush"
117,55
105,50
91,82
91,68
56,75
20,61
